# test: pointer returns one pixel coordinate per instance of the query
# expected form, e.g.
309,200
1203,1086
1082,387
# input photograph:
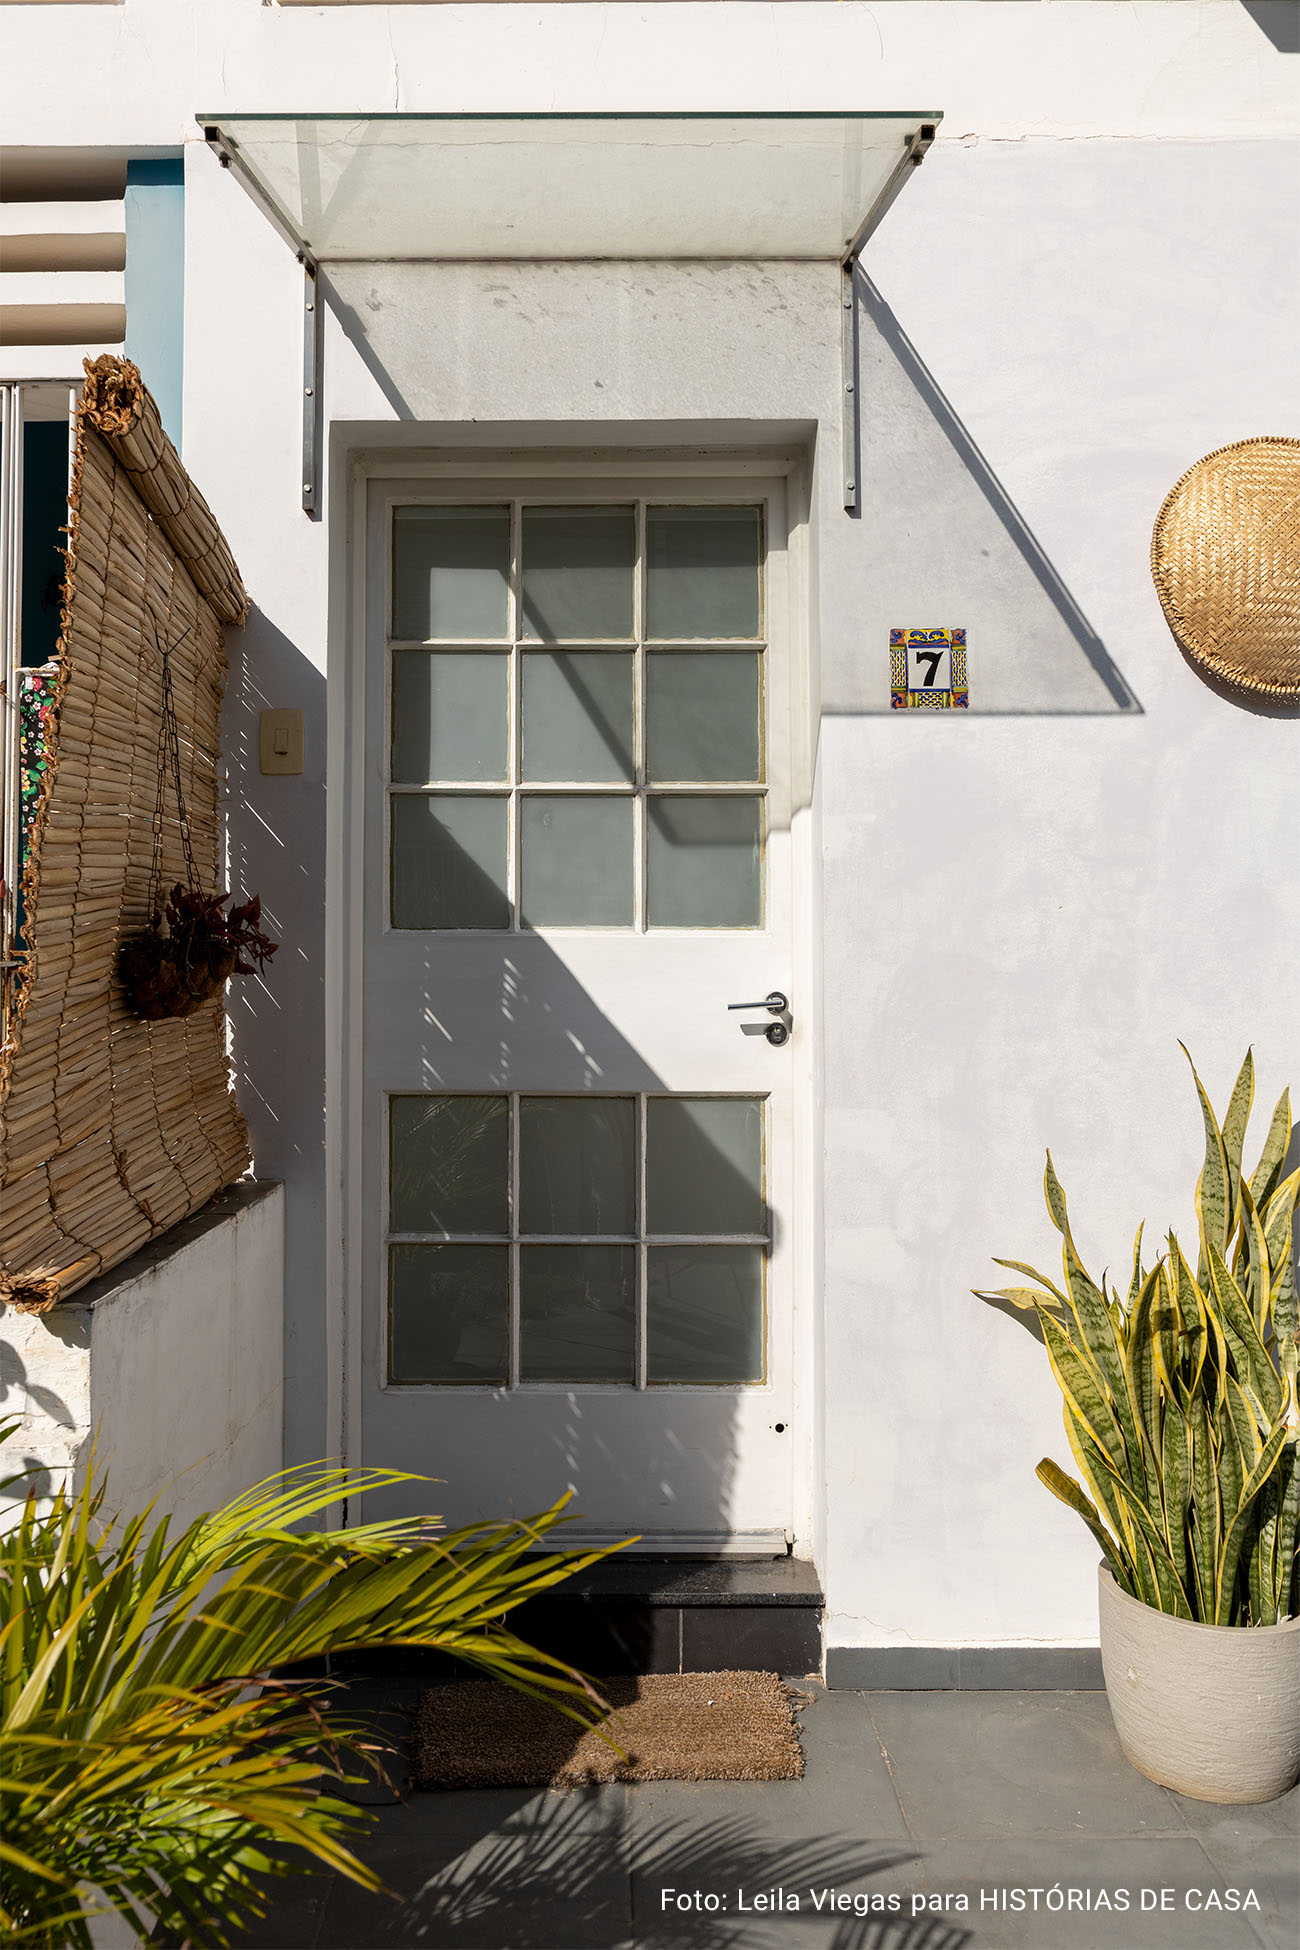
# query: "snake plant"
1180,1396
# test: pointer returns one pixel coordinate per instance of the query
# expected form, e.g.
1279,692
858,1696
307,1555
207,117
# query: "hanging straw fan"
1225,556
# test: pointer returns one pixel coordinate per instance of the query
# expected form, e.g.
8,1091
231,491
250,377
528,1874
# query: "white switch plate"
280,741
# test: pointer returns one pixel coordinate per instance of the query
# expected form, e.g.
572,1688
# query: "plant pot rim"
1106,1576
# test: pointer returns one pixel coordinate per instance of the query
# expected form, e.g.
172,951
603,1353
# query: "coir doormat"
691,1726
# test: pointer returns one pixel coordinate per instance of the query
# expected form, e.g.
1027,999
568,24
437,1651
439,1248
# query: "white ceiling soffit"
377,187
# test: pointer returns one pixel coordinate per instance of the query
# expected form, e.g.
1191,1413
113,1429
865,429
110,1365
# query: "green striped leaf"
1176,1483
1254,1368
1253,1262
1206,1516
1078,1382
1230,1552
1276,1144
1032,1273
1213,1194
1072,1496
1234,1124
1285,1597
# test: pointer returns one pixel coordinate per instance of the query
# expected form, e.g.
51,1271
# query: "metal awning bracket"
851,405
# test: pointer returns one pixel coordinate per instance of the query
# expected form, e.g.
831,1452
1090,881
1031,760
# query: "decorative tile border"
927,670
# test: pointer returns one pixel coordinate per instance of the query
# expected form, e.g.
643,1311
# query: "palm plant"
1180,1399
151,1762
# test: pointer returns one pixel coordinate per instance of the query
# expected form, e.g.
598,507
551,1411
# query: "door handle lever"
777,1005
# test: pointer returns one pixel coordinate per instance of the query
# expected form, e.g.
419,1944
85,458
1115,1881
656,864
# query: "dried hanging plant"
191,947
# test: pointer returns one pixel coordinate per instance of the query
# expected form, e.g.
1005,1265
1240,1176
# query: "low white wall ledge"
168,1371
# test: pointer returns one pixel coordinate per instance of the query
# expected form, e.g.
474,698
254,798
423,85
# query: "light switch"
280,739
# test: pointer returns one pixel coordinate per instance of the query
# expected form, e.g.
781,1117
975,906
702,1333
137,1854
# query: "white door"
573,1157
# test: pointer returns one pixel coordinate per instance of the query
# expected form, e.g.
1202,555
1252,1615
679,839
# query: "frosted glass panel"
577,1313
704,1314
703,859
449,1313
577,715
702,714
702,572
577,1164
576,862
449,861
704,1165
449,1167
450,715
578,572
427,187
451,570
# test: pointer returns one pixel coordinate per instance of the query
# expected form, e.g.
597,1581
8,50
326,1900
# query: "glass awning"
375,187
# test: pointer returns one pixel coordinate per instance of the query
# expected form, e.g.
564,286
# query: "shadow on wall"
276,847
1279,20
939,522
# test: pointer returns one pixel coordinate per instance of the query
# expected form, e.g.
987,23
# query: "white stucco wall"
1091,282
166,1375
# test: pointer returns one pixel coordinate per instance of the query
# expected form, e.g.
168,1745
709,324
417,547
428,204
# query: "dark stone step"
640,1614
679,1581
630,1614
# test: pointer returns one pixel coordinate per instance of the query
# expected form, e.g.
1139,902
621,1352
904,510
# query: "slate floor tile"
983,1765
1267,1863
551,1882
846,1788
1246,1822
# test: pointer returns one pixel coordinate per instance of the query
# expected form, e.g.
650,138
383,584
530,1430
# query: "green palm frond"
149,1750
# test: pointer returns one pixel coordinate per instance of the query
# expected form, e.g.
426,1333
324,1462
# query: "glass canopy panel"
570,186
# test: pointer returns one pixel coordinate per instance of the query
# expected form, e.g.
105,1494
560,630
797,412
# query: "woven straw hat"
1225,556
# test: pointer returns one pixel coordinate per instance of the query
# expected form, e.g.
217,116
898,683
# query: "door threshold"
677,1543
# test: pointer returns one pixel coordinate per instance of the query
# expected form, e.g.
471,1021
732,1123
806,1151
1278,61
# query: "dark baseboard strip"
964,1668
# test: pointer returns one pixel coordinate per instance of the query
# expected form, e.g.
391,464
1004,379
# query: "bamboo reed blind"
112,1128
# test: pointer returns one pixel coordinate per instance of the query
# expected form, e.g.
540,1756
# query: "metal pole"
313,341
850,404
850,418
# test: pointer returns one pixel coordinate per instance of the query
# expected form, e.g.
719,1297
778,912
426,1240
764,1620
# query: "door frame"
345,842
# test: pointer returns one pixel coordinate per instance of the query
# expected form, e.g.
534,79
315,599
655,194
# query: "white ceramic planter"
1212,1711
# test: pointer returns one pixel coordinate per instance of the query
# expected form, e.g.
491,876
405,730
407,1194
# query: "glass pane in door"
702,572
704,861
576,861
449,861
451,716
577,1164
577,1313
704,1314
577,715
451,572
578,572
449,1314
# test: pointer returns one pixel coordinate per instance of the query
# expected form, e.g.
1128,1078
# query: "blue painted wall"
155,281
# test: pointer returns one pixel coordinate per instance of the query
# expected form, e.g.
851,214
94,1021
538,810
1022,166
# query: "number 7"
932,657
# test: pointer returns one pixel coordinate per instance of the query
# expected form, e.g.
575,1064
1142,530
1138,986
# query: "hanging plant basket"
173,970
190,949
